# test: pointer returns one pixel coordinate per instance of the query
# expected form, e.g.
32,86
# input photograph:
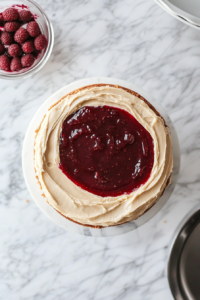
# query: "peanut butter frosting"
80,205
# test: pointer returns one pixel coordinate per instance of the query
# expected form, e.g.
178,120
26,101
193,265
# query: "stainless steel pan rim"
181,17
181,234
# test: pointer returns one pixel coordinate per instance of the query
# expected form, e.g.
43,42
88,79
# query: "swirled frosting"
80,205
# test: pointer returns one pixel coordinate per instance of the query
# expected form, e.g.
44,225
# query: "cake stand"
33,186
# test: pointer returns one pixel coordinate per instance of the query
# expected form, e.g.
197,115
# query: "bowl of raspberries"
26,38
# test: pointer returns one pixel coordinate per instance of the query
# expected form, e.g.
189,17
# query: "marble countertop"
132,40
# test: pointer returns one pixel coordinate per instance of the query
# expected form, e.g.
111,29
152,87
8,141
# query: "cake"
103,156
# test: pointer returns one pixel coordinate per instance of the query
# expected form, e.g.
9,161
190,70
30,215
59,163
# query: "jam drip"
105,151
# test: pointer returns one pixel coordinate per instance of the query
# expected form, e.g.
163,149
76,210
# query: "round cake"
103,156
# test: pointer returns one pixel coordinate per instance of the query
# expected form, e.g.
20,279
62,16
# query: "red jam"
105,151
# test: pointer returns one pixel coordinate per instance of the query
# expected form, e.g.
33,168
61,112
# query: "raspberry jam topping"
105,151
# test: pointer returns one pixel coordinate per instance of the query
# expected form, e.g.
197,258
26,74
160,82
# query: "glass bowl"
46,29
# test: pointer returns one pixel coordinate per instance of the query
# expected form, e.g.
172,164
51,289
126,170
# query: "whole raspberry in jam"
27,60
21,35
2,49
6,38
15,64
25,15
10,14
40,42
33,29
14,50
11,26
28,47
4,63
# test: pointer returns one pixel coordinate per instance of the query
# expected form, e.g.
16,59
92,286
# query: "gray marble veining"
132,40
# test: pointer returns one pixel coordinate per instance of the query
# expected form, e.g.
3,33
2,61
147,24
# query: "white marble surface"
132,40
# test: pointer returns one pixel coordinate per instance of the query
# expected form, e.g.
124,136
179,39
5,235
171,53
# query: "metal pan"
180,14
184,259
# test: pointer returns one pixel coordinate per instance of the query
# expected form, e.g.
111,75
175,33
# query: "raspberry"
1,20
27,60
15,64
33,29
2,49
28,47
4,63
10,14
40,42
21,35
11,26
25,15
6,38
14,50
